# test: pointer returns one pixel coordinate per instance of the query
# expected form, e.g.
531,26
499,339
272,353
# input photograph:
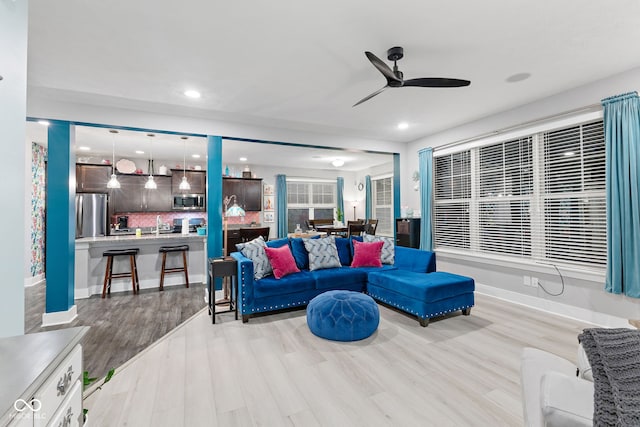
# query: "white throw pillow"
254,250
323,253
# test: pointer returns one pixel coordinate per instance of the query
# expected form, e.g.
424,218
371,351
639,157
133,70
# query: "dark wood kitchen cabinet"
92,178
133,197
248,192
197,180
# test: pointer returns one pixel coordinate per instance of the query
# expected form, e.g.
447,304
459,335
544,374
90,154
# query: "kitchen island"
90,264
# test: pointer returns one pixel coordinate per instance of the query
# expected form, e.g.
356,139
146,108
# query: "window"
383,205
309,200
539,197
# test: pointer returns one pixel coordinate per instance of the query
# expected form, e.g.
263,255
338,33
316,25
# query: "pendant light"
150,184
184,184
113,182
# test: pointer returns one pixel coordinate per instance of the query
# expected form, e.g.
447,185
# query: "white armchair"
552,393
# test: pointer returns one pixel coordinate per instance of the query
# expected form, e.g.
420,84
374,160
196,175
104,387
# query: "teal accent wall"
214,199
396,191
60,217
13,110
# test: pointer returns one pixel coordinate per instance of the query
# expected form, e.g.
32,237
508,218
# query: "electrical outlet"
527,281
534,282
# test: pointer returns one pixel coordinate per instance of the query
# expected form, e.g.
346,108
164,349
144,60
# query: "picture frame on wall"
268,203
269,217
268,190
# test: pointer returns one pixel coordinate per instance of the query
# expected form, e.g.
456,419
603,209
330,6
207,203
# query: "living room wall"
584,296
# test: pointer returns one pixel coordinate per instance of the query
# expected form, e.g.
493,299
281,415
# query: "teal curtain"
368,200
340,194
281,205
622,139
425,158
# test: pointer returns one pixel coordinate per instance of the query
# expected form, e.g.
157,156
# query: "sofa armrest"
245,282
415,260
566,401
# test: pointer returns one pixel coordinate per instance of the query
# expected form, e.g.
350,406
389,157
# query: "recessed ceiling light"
243,159
139,152
569,153
84,148
337,163
192,94
518,77
195,156
44,122
403,125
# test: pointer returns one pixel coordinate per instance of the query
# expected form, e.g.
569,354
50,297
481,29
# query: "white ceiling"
170,147
301,65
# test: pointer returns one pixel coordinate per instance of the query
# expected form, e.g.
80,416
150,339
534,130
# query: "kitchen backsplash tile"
148,219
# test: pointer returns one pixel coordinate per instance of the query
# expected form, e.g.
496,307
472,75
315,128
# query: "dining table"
332,229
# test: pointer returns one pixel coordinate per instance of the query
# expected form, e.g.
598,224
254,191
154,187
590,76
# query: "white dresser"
41,379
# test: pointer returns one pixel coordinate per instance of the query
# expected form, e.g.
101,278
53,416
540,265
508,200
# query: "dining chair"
354,228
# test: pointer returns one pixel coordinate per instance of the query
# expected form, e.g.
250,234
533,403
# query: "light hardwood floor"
459,371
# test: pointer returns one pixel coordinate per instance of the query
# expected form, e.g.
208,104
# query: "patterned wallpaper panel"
38,156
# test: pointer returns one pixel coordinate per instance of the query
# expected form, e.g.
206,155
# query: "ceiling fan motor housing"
395,53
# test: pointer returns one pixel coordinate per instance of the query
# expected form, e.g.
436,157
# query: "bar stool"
164,250
133,273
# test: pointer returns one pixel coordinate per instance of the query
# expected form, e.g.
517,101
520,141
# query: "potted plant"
339,217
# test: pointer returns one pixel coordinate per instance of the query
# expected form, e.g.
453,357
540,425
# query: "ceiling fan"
394,77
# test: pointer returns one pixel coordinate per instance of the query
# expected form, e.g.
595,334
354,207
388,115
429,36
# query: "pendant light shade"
113,182
184,184
151,184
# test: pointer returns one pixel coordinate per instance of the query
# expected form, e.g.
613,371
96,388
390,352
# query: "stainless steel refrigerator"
91,215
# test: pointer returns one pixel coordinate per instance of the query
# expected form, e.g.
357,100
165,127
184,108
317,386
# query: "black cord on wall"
561,279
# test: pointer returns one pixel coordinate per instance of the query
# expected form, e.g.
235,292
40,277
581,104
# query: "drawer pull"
66,420
65,381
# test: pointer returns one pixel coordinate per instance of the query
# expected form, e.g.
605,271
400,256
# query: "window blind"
540,196
383,205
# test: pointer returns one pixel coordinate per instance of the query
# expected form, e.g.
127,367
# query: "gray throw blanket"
614,356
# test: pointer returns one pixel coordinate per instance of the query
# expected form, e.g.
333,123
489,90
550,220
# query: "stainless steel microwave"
188,202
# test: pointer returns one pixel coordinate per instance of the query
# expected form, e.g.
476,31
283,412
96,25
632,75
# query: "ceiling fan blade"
436,82
368,97
382,67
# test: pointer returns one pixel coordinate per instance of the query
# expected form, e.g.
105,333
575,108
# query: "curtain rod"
518,126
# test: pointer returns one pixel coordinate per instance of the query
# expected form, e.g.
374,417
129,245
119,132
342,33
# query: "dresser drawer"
70,413
58,386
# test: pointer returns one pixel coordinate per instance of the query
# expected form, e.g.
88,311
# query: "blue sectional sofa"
411,284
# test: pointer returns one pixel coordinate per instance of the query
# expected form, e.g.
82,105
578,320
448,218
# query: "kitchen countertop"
147,237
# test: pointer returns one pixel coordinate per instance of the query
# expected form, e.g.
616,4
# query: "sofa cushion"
300,253
340,278
282,261
322,253
388,249
270,286
417,260
421,286
254,250
534,364
344,250
366,254
278,243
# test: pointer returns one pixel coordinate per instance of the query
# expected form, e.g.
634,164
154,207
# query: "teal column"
214,199
60,217
396,191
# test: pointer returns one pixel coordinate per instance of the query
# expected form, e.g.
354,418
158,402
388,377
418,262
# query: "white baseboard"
553,307
60,317
35,280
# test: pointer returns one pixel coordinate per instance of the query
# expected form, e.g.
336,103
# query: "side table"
223,267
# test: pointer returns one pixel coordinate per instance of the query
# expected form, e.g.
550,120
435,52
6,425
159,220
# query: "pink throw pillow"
282,261
367,254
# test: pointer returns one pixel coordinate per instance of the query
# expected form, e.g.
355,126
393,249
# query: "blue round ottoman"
343,315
